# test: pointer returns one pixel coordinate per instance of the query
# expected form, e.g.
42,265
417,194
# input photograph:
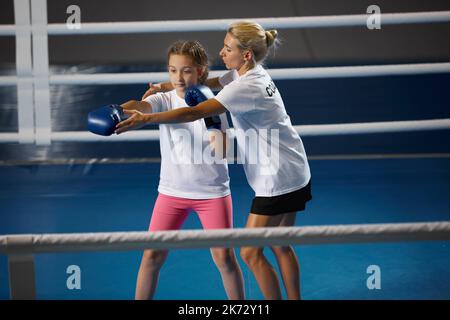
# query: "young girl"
281,179
186,185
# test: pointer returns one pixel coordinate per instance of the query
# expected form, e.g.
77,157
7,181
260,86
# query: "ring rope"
222,24
303,130
276,74
331,234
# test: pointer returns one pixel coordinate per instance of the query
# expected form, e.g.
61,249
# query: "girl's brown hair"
195,51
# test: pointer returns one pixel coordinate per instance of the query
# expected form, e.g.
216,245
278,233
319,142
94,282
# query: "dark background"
316,101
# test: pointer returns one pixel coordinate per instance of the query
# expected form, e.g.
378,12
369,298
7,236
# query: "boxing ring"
362,232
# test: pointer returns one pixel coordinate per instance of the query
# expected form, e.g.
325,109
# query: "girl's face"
232,55
183,73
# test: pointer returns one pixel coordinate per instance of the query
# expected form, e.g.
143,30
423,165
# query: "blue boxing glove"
197,94
103,121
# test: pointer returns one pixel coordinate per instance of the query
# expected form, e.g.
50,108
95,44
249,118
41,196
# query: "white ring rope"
372,127
222,24
333,234
277,74
304,131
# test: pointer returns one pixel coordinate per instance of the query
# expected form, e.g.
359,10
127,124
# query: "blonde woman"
281,181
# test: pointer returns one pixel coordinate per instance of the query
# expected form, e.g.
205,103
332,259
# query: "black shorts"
289,202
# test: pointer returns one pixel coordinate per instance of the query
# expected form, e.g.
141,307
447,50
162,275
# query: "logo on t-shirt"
271,89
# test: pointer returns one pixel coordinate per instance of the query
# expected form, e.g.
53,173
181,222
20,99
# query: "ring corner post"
22,282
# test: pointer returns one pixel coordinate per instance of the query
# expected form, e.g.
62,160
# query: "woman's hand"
153,88
136,120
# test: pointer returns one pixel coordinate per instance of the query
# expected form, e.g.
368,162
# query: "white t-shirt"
257,109
184,171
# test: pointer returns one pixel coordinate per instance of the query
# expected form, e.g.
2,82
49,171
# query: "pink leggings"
170,212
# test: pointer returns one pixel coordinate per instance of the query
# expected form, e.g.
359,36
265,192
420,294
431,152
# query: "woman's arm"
141,106
213,83
157,87
138,119
206,109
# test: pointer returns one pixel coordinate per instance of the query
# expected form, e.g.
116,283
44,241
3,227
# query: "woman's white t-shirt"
275,161
185,170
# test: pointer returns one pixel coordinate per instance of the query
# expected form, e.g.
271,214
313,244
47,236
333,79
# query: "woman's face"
183,73
232,55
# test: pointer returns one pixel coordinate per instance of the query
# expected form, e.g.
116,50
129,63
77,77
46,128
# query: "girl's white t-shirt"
186,169
270,149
